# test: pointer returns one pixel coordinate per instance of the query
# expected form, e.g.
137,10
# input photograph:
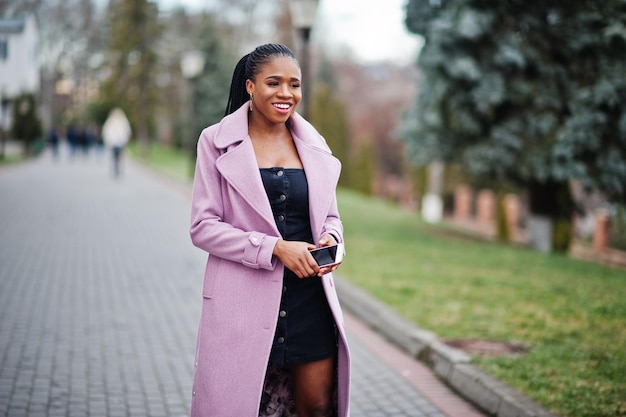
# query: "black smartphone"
328,255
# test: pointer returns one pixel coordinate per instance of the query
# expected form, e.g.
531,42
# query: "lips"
282,107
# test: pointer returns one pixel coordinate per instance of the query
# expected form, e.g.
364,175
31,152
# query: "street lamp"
303,13
191,66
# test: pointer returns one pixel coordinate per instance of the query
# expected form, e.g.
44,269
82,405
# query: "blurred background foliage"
525,92
521,97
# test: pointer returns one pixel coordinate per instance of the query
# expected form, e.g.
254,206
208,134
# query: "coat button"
281,340
282,197
282,313
281,218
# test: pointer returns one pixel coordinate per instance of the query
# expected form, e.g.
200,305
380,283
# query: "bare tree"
70,35
15,8
253,22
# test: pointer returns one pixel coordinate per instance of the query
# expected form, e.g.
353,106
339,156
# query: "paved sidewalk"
100,300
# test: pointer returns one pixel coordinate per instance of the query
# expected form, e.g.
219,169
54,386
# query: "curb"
450,364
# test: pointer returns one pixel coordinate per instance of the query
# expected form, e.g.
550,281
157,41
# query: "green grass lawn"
174,162
571,313
9,160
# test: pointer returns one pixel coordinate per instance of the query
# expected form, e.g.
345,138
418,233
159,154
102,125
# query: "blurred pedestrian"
73,139
116,133
91,137
264,195
53,142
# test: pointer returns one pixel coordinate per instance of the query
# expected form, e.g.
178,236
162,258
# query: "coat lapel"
238,164
239,168
322,171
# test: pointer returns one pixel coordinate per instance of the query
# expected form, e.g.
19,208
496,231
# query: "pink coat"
232,220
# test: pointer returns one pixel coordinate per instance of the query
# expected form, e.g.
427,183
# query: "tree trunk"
503,232
432,203
551,208
143,138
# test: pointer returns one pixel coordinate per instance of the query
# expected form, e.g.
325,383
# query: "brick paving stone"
100,300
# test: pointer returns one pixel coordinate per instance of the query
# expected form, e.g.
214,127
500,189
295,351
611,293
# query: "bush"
26,124
561,235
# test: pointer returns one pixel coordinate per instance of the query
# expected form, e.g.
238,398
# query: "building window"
4,49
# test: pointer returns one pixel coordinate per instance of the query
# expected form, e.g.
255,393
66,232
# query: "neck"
262,128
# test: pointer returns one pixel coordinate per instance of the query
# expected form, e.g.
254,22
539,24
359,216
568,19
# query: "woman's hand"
295,256
327,240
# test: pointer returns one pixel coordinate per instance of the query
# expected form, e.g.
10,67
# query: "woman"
271,339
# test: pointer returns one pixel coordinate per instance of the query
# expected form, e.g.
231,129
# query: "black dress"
306,330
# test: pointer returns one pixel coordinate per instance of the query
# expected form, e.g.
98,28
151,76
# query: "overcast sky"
373,30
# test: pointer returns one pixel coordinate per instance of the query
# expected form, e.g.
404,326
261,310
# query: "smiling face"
276,90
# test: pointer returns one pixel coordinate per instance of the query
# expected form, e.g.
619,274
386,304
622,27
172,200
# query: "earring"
251,102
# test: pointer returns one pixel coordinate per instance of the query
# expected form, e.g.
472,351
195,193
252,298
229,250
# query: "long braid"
247,69
238,94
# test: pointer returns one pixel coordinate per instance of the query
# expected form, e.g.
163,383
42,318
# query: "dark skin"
313,384
275,94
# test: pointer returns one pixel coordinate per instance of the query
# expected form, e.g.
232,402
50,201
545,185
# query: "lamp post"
3,110
303,13
191,66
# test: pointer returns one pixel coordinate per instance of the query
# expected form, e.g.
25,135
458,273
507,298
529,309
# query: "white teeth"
282,106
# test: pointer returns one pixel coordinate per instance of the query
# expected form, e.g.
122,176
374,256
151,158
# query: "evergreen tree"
214,82
26,123
328,114
529,91
211,89
133,32
363,169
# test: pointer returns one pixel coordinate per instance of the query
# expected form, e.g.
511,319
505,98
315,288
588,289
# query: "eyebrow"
281,77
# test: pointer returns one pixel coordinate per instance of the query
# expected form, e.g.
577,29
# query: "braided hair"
248,67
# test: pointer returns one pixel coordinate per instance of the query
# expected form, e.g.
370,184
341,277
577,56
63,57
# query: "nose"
284,90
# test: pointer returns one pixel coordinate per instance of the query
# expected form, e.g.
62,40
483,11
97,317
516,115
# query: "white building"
19,65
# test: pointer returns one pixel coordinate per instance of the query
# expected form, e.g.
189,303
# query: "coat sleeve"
333,225
209,231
